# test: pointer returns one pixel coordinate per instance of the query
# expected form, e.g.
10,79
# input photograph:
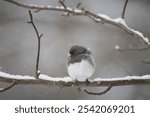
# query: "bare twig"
9,87
124,9
39,44
38,10
78,5
76,11
134,49
62,2
100,93
95,19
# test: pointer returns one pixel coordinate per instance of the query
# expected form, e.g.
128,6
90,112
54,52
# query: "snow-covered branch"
118,22
68,82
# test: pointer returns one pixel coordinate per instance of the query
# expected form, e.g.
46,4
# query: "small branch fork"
37,72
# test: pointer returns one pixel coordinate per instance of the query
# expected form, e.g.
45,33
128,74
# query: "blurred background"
18,47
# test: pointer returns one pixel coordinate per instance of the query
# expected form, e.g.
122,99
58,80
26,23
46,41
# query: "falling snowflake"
117,47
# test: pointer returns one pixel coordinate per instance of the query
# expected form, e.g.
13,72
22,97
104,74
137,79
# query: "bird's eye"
72,52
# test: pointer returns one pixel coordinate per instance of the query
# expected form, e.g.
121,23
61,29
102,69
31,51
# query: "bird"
80,64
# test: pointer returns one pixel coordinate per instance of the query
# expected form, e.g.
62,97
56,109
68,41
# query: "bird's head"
78,50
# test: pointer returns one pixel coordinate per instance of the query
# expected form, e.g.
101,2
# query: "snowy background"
18,47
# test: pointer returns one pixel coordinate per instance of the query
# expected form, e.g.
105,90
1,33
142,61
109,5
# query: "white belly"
80,70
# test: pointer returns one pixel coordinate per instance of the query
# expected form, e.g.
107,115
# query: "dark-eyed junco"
80,63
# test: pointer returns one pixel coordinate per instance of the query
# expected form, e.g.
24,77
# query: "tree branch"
119,22
9,87
68,82
133,49
37,72
124,9
48,7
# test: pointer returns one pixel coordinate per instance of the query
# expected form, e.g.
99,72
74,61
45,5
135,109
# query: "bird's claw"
87,81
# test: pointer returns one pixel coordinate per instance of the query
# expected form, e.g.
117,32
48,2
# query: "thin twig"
39,44
9,87
134,49
124,9
96,20
78,5
38,10
100,93
76,11
62,2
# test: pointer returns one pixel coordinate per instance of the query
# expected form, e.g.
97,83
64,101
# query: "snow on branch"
118,22
68,82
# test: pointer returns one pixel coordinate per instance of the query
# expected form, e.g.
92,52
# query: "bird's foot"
87,81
